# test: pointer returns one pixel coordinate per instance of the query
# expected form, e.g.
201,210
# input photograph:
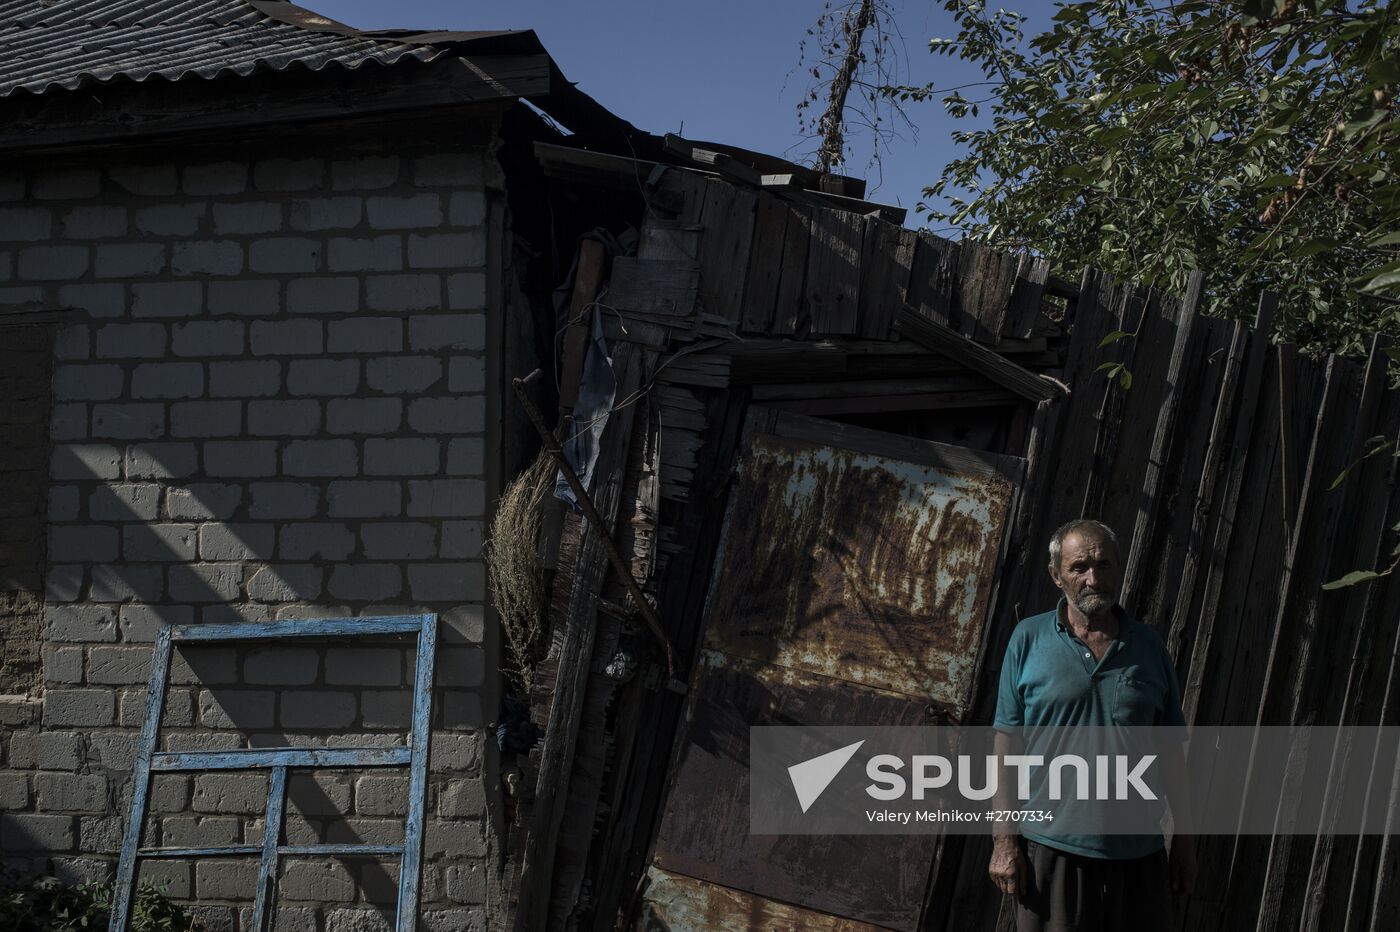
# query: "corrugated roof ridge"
68,43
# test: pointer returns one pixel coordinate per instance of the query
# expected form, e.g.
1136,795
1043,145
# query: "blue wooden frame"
279,761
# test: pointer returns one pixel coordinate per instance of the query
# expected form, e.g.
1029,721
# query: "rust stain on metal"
704,831
858,567
677,903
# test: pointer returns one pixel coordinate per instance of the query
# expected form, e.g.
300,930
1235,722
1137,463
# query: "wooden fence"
1221,459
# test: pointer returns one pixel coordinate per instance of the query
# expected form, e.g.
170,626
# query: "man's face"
1088,573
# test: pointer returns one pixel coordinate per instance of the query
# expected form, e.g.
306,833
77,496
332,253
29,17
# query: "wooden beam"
588,277
975,356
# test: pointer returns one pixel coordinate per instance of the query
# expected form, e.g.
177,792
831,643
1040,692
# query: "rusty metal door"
851,587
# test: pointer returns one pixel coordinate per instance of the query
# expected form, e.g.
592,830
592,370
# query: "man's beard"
1093,603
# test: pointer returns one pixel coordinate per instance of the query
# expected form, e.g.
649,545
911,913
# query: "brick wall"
26,362
277,408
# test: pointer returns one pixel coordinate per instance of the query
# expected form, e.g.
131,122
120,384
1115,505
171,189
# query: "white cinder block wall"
277,409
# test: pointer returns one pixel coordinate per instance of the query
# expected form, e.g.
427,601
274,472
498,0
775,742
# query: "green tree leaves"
1253,140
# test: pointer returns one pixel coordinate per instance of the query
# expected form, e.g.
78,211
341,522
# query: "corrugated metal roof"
48,44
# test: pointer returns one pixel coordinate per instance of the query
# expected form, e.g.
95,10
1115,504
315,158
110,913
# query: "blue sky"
723,70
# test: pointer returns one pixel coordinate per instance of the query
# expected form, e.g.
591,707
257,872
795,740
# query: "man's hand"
1181,867
1008,868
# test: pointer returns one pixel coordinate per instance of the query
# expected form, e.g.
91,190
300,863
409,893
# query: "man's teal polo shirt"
1049,678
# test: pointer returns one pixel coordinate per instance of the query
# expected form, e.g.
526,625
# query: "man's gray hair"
1077,526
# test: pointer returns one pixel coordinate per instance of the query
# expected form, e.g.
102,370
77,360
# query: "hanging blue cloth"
597,391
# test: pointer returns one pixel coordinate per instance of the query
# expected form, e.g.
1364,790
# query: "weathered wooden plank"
1073,431
1024,311
936,336
339,850
765,264
728,217
272,837
790,312
985,279
885,269
664,287
1343,657
300,628
877,404
588,277
699,523
1163,583
1237,414
215,851
933,278
1148,503
271,758
868,388
1292,672
833,271
694,368
578,625
1242,362
124,884
669,241
420,735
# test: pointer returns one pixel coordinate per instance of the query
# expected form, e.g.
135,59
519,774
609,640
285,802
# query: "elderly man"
1087,663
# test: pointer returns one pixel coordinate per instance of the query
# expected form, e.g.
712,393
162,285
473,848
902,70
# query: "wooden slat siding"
1147,510
663,287
859,388
1374,899
1240,419
1293,655
587,280
561,731
1245,550
833,272
986,280
989,399
1248,604
669,241
700,368
933,279
1185,461
1287,375
1096,315
581,813
728,219
123,887
681,604
1192,621
888,252
1344,655
1376,700
1024,310
1135,301
790,312
935,336
765,264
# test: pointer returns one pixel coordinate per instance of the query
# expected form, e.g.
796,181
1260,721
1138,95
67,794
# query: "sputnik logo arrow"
811,777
